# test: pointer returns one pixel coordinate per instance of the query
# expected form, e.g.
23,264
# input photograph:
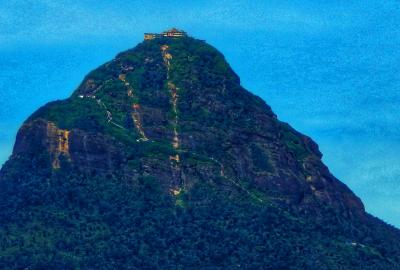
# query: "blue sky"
330,68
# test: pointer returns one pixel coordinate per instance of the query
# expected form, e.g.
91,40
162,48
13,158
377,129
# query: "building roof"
174,30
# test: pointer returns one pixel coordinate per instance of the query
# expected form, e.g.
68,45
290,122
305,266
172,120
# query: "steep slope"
160,159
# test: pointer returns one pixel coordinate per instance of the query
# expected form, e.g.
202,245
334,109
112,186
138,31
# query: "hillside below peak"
165,132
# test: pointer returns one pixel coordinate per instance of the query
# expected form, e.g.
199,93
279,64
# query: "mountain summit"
162,160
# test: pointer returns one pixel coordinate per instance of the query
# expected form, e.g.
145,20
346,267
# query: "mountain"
162,160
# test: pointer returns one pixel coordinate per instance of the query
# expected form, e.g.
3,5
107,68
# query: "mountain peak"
181,99
171,33
165,130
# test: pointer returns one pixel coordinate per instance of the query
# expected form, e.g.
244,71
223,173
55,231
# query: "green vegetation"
293,142
87,223
74,113
121,202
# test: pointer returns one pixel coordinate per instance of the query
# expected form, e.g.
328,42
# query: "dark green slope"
161,160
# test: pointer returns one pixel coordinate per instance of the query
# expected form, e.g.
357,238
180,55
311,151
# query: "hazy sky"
329,68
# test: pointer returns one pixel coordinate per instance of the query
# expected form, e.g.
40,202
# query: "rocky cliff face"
181,99
172,110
